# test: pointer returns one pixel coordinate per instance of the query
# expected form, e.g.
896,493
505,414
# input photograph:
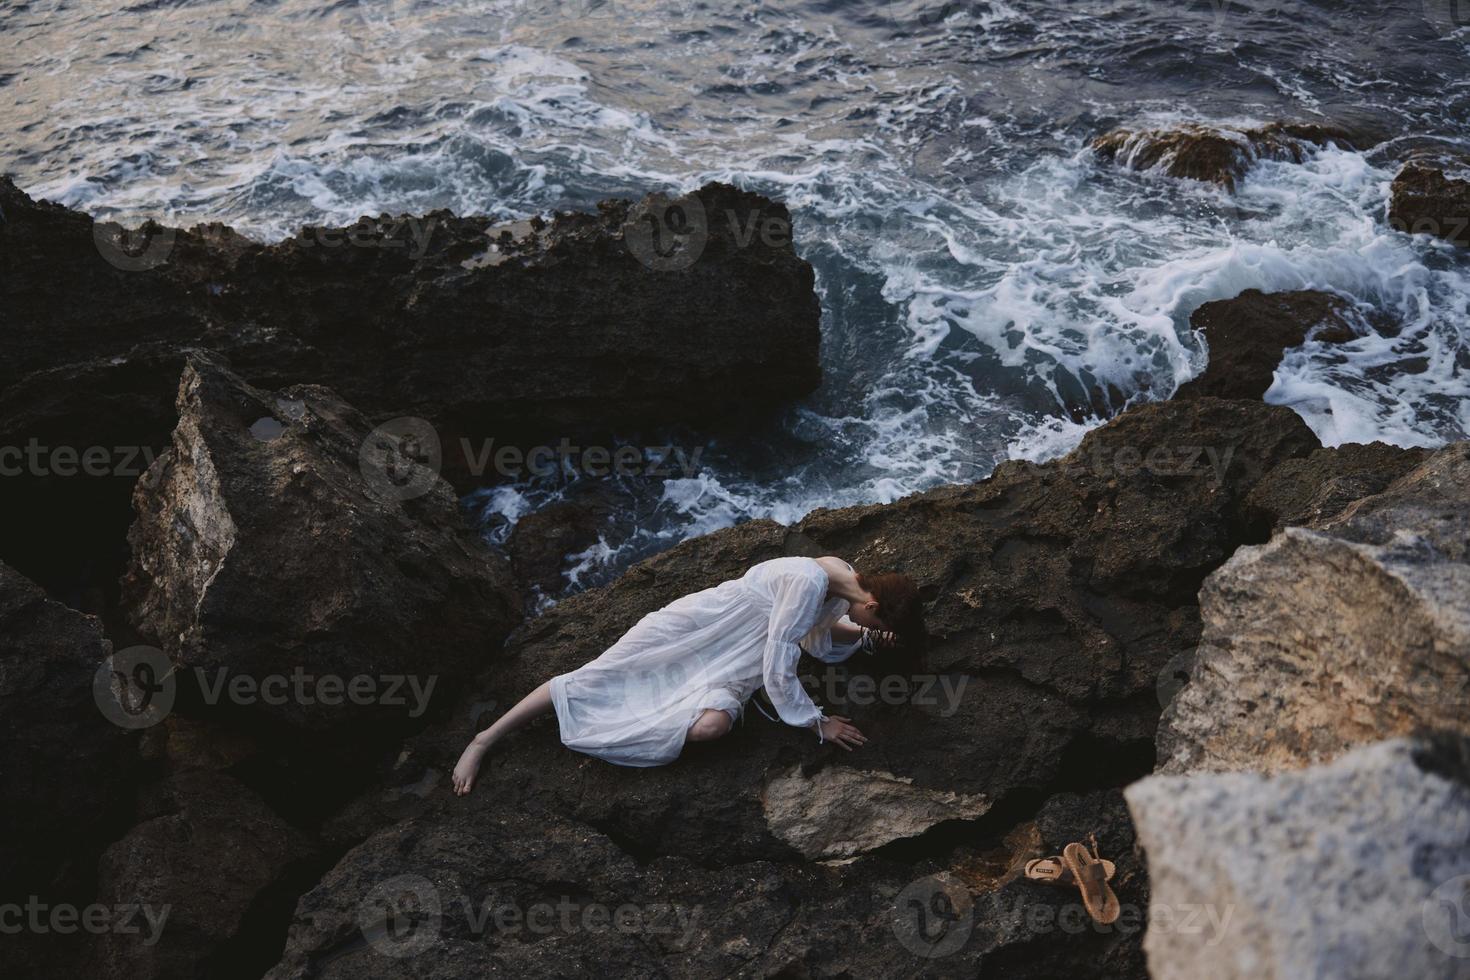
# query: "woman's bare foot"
468,766
528,708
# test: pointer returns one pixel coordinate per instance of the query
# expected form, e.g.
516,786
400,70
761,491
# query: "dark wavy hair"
900,607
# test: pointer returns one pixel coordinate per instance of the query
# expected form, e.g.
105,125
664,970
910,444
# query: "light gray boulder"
1355,869
1338,634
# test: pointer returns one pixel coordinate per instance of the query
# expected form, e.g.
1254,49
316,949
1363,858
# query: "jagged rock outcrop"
1246,336
665,312
1058,592
1348,631
1314,488
196,869
283,545
1215,154
1431,196
1355,869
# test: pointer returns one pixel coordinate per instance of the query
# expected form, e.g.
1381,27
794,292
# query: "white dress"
634,704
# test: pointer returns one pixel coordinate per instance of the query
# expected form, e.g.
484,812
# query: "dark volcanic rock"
199,869
582,326
66,770
1432,197
541,542
1215,154
1247,334
1318,487
1058,594
272,542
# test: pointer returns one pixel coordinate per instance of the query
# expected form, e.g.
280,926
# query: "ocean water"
978,269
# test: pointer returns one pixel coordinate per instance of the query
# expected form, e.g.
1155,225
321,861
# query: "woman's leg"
710,725
529,708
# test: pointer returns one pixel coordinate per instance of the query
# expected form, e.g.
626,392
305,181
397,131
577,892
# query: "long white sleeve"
796,603
828,650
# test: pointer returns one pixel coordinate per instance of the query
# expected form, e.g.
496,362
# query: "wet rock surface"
1216,154
1247,335
1431,196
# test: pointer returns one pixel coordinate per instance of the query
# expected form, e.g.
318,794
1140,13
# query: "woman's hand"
878,640
837,729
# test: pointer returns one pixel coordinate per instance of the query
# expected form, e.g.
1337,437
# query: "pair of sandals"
1088,871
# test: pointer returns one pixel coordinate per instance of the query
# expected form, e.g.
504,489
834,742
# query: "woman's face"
866,614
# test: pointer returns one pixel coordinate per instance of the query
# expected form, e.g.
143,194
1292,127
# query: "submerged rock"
1357,869
1215,154
1431,196
1351,630
284,546
1247,335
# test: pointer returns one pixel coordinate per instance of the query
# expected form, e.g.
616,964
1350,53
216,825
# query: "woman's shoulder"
806,568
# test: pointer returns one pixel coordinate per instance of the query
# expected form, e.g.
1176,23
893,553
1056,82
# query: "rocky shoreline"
1235,656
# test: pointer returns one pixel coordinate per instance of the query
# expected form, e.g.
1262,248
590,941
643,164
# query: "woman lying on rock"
684,672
